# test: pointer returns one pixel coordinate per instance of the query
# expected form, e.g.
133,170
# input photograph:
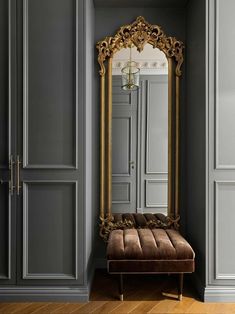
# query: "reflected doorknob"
132,164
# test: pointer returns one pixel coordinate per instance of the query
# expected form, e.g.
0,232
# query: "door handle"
11,181
18,186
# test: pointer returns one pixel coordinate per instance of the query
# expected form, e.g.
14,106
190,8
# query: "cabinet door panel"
50,213
49,83
49,225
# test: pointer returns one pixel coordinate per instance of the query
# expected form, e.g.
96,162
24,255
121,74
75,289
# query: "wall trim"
219,294
25,271
218,183
218,165
64,294
26,163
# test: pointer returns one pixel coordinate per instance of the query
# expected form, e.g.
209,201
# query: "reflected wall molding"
148,171
154,181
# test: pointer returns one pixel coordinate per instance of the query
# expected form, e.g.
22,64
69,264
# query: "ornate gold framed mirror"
139,34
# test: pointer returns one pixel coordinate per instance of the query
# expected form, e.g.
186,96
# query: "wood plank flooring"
142,294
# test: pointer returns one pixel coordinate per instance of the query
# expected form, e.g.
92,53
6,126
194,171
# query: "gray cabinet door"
7,143
49,214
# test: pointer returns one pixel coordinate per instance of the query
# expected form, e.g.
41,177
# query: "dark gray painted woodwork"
7,135
4,83
141,3
49,84
4,205
50,209
49,226
124,148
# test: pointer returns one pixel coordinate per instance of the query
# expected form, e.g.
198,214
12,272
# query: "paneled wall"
49,125
221,191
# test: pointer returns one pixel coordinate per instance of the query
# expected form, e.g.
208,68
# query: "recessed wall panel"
49,230
4,84
224,229
5,232
225,90
49,83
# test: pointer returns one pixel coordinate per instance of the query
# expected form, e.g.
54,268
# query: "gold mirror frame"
139,33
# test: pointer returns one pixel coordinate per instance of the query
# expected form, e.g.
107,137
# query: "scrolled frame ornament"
139,33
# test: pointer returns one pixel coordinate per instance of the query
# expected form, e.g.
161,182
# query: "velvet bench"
144,250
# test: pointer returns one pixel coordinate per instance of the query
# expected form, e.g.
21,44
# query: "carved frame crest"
139,33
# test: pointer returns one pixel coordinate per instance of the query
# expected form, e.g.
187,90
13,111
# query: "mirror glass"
140,133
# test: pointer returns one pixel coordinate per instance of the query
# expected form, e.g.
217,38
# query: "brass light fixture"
130,75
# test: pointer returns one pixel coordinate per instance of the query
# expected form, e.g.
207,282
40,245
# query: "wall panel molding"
217,185
25,270
219,165
26,162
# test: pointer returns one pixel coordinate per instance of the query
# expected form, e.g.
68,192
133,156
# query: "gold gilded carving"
108,225
140,33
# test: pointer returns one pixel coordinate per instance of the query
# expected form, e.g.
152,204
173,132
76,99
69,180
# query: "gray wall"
220,284
173,22
195,130
91,140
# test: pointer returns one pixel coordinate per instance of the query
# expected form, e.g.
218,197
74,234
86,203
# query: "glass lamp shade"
130,76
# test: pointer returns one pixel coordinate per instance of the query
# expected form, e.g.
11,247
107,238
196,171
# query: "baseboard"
46,294
219,294
90,274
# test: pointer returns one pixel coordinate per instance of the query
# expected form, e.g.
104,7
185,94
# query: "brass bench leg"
121,287
180,287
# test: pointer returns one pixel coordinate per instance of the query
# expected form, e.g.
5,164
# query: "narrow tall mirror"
139,130
140,69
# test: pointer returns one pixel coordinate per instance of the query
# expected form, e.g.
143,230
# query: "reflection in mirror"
140,133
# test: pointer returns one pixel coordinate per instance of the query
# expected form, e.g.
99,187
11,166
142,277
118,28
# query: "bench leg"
121,287
180,287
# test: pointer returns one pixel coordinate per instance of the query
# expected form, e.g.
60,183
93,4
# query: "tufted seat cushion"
149,251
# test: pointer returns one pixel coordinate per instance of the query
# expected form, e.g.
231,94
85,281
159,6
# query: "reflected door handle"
18,186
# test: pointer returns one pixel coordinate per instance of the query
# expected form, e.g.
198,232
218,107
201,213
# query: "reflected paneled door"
41,227
124,133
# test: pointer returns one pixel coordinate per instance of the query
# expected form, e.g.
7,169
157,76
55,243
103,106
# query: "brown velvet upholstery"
145,250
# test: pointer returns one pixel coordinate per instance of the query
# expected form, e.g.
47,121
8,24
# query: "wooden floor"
142,294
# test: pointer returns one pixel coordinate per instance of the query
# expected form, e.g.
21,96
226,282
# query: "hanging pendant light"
130,75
